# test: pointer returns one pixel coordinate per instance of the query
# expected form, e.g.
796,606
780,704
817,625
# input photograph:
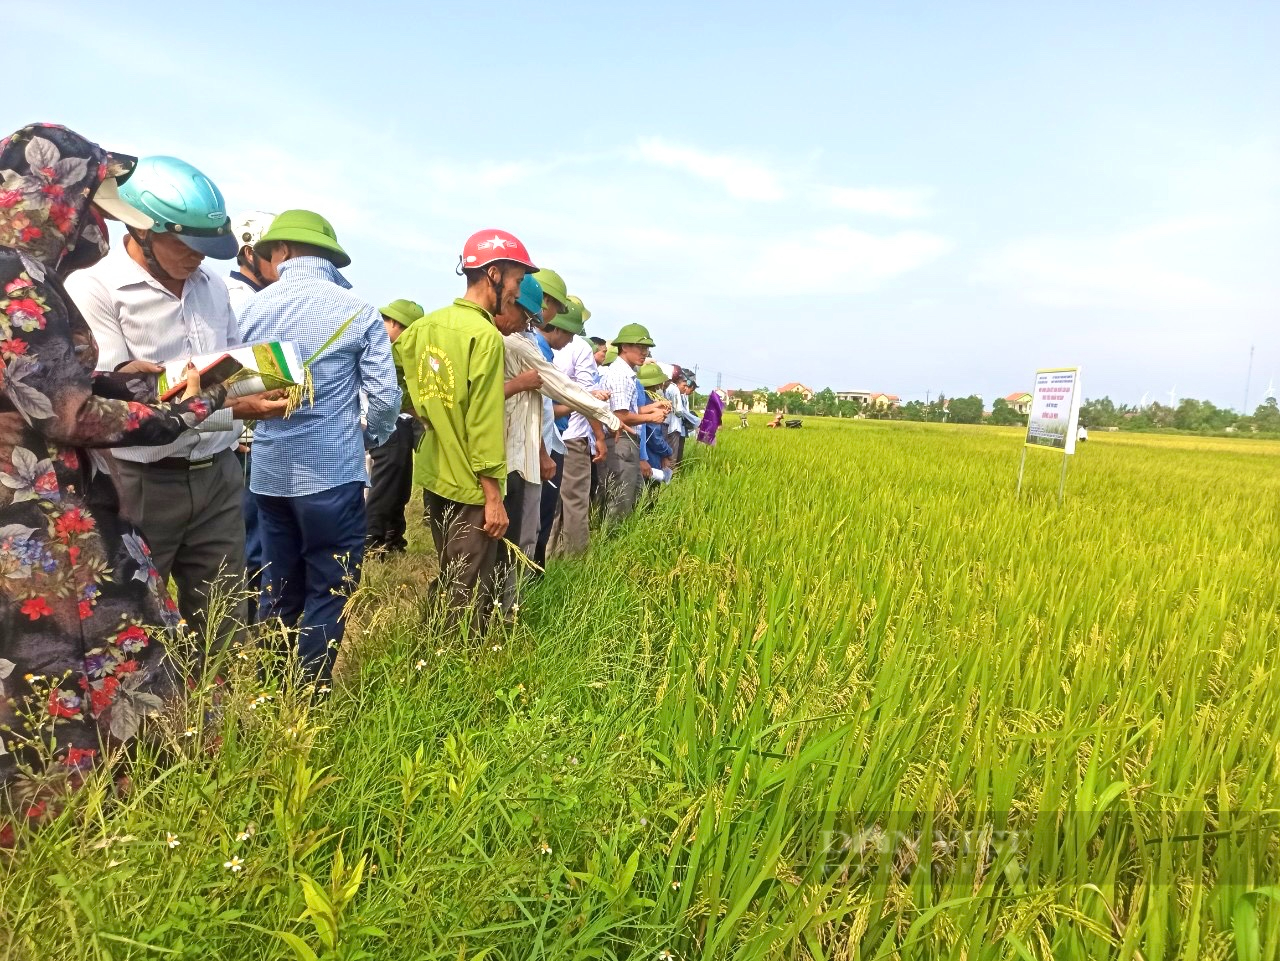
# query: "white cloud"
879,201
1147,268
740,177
841,260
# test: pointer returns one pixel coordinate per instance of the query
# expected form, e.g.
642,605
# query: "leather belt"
181,463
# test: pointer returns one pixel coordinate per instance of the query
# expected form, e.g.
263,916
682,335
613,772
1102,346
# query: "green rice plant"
839,694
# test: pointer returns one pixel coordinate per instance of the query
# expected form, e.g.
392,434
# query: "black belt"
180,463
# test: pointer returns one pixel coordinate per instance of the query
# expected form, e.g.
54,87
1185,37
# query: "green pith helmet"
305,227
554,287
651,375
586,314
570,320
403,312
634,334
610,355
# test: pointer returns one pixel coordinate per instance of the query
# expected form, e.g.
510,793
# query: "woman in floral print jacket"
83,616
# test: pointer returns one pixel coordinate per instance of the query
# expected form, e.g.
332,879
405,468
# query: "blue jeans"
313,546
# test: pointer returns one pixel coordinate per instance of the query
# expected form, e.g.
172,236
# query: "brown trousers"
571,533
468,558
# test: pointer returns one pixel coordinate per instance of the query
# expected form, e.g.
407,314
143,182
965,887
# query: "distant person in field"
309,473
391,464
621,481
453,367
1082,434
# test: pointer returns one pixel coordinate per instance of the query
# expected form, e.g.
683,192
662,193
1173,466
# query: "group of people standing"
498,406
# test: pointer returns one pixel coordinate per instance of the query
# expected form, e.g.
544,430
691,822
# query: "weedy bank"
838,695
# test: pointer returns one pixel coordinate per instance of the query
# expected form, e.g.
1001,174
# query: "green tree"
824,403
773,401
1002,414
914,410
1266,419
965,410
849,408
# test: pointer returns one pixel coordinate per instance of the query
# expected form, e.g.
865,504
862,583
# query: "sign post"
1054,417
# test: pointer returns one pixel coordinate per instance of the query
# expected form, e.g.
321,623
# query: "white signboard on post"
1055,409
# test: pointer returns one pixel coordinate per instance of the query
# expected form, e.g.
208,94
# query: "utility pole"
926,406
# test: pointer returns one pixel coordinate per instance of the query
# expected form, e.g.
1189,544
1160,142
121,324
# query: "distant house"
1019,401
795,387
861,397
884,401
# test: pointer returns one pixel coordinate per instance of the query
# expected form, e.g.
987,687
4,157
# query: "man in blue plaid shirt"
309,469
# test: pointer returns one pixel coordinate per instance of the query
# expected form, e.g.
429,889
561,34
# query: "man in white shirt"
152,300
252,273
584,444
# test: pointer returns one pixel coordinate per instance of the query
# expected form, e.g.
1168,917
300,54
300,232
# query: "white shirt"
523,420
620,381
577,361
240,293
675,423
133,317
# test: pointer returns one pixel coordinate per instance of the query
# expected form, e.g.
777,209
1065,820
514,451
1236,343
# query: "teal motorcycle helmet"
530,297
182,201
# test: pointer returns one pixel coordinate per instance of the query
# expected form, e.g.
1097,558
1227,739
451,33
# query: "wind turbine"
1271,388
1173,391
1143,403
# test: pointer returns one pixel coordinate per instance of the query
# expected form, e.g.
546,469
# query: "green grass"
838,695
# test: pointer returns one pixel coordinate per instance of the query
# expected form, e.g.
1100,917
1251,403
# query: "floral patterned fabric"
83,615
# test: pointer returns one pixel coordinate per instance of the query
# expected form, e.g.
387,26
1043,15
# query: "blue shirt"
322,446
652,437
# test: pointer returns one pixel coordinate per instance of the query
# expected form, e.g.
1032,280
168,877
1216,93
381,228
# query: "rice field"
839,694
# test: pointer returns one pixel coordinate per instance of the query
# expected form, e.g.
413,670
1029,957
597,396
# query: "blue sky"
898,197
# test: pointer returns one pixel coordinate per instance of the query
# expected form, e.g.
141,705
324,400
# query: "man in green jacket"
453,368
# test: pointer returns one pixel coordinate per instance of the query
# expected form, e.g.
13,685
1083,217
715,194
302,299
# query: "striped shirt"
322,446
135,317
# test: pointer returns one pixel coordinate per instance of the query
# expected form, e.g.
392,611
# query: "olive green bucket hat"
571,320
586,314
305,227
651,375
634,334
553,286
403,312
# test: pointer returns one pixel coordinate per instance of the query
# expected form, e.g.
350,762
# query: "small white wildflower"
235,865
242,655
420,665
644,822
247,833
439,652
675,885
325,690
189,732
496,648
171,839
573,760
545,848
665,955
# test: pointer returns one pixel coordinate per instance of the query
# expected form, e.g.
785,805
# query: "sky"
902,197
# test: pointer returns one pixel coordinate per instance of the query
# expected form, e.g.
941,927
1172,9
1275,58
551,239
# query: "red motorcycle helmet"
490,246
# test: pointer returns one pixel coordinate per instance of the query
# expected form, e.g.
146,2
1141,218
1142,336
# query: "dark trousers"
468,557
194,524
675,440
550,502
254,560
391,484
314,545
